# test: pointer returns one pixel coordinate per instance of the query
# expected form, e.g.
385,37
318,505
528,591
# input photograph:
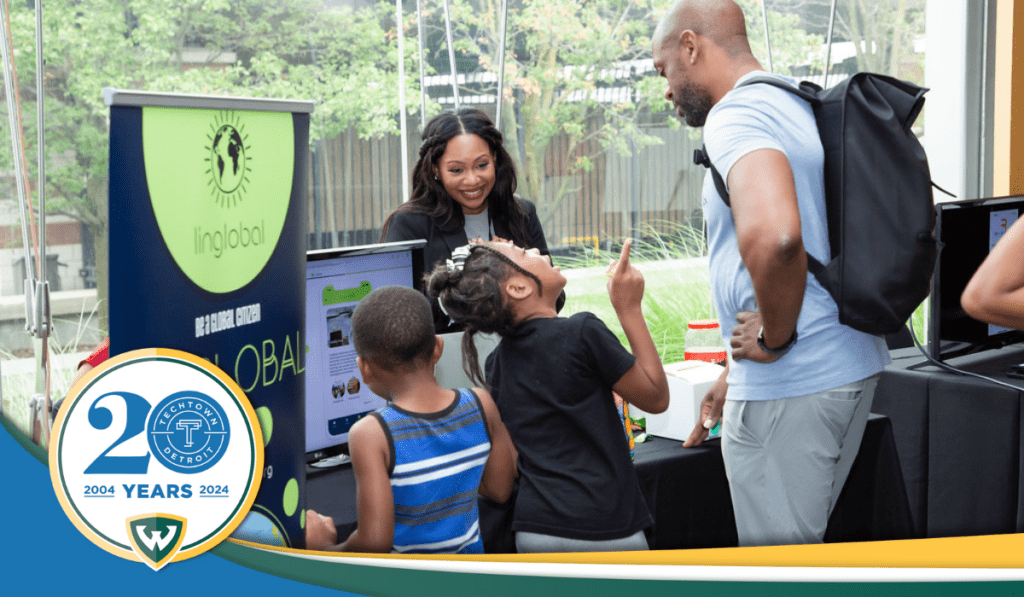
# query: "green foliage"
790,43
883,33
652,89
343,58
561,55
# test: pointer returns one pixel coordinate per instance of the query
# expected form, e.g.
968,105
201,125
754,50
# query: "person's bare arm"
375,506
710,410
644,384
995,293
321,534
767,217
83,368
500,470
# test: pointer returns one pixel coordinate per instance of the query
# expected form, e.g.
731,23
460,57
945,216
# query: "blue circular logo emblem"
188,432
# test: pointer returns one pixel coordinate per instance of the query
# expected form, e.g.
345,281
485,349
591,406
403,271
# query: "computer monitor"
336,279
449,371
967,231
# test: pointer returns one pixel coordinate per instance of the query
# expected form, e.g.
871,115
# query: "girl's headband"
458,260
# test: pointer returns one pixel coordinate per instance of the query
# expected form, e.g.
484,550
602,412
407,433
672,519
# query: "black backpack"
878,198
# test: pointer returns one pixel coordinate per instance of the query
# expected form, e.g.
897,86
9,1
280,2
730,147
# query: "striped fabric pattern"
438,461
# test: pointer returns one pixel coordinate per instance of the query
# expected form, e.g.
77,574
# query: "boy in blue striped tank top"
420,461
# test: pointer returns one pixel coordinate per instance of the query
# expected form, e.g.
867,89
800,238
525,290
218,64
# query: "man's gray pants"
787,460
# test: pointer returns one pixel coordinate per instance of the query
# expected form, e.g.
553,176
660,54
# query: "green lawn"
677,290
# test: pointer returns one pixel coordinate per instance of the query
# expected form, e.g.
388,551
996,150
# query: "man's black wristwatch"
781,350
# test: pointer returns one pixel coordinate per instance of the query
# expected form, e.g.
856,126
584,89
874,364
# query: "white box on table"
688,382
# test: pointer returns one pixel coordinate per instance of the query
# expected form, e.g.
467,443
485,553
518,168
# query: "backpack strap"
700,157
806,90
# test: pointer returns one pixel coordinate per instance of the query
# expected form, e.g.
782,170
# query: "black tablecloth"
959,440
687,492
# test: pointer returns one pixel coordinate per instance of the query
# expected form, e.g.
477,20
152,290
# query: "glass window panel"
884,36
596,146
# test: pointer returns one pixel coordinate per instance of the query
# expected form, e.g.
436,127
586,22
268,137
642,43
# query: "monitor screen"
336,279
967,231
449,371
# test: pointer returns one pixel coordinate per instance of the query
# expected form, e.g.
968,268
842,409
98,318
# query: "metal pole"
318,194
501,64
42,304
635,190
983,191
451,53
401,99
767,38
19,164
423,76
828,44
40,101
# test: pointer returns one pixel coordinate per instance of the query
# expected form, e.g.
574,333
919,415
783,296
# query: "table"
687,492
959,441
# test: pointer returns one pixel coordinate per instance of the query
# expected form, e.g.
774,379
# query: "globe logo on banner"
227,161
220,185
156,456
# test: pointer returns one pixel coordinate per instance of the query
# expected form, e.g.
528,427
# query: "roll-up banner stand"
207,255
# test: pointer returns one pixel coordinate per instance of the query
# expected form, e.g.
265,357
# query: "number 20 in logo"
156,456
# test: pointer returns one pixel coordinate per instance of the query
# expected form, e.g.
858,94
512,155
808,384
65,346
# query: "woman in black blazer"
464,187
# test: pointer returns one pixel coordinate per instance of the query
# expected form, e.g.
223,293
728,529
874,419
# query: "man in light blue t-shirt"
799,384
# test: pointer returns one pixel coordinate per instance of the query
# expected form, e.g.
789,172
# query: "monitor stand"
331,461
949,349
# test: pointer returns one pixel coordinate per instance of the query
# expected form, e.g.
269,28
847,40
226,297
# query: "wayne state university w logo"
156,537
220,182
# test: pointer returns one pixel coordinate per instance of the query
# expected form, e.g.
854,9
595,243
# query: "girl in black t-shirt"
552,379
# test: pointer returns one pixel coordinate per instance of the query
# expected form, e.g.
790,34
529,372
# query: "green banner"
219,184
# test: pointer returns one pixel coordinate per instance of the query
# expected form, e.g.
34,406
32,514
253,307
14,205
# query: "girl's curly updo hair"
428,193
472,296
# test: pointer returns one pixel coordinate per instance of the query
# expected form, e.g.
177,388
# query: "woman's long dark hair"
472,297
428,194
